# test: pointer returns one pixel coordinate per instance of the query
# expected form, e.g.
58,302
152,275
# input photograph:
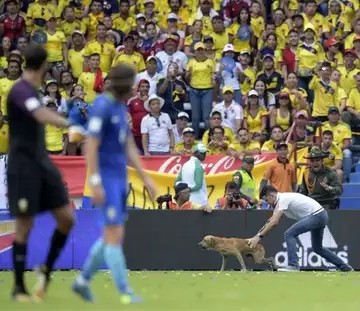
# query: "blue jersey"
108,123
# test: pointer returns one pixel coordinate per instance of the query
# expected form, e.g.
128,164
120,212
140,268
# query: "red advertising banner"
73,169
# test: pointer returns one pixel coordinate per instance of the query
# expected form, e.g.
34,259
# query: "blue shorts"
114,211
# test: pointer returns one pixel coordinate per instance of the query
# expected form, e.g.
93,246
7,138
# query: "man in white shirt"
156,129
178,128
150,75
231,112
170,54
310,216
193,174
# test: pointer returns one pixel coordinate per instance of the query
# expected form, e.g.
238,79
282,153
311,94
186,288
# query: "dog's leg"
259,258
241,261
224,262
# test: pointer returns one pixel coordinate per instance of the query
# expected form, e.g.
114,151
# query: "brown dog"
236,247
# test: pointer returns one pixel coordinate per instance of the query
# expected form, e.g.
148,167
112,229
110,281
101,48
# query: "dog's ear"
213,241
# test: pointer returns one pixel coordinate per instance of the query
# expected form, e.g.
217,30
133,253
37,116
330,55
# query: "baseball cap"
249,160
280,144
150,58
180,187
51,81
333,109
227,89
228,48
171,37
199,45
140,15
216,111
172,16
301,113
77,32
188,130
284,94
183,115
357,37
330,42
208,38
253,93
269,56
309,26
243,52
352,52
149,1
200,148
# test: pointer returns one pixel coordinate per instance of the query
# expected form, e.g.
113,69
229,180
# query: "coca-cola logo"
212,164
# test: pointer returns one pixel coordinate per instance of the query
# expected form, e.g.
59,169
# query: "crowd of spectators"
235,74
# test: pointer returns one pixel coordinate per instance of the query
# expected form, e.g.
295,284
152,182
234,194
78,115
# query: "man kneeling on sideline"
310,216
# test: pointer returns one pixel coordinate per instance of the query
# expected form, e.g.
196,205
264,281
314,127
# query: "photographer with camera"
232,198
181,200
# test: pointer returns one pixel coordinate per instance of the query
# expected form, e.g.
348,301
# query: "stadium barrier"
167,240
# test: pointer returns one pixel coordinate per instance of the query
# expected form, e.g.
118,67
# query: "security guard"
321,182
245,180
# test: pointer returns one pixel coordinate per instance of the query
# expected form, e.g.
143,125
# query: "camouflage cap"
316,153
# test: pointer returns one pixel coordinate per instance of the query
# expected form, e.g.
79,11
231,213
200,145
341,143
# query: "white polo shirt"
158,132
230,114
297,206
178,57
152,80
230,79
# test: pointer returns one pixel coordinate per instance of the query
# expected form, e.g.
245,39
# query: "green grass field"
204,291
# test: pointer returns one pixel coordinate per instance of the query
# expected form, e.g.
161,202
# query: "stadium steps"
350,199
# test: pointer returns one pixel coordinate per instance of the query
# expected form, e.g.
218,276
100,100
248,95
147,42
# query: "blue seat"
350,203
351,190
355,178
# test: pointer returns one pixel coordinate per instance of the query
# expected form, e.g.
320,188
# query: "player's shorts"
114,211
34,186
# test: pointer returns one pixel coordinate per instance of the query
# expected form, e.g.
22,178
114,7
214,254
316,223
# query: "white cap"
228,48
172,16
188,130
183,115
149,1
150,58
140,15
253,93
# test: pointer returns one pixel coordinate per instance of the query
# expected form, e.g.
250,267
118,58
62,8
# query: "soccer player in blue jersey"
109,147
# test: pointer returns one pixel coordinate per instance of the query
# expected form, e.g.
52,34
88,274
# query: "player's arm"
44,115
270,224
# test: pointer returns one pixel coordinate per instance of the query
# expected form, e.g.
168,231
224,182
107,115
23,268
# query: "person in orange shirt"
281,173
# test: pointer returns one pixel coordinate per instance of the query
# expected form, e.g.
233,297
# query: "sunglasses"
157,122
225,114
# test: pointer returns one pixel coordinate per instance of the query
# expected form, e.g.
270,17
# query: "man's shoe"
42,283
20,296
289,269
83,290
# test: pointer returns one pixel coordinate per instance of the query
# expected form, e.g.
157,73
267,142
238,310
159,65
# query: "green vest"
248,186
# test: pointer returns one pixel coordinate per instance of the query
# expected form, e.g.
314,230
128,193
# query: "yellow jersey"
134,60
257,25
54,46
308,57
237,43
68,28
250,146
228,136
269,146
282,31
54,137
216,150
91,22
76,61
349,41
331,22
220,40
5,87
335,153
4,138
248,84
87,79
124,25
254,124
106,51
325,96
181,146
37,10
64,3
347,81
284,122
207,26
201,73
317,21
341,132
295,101
354,99
183,17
